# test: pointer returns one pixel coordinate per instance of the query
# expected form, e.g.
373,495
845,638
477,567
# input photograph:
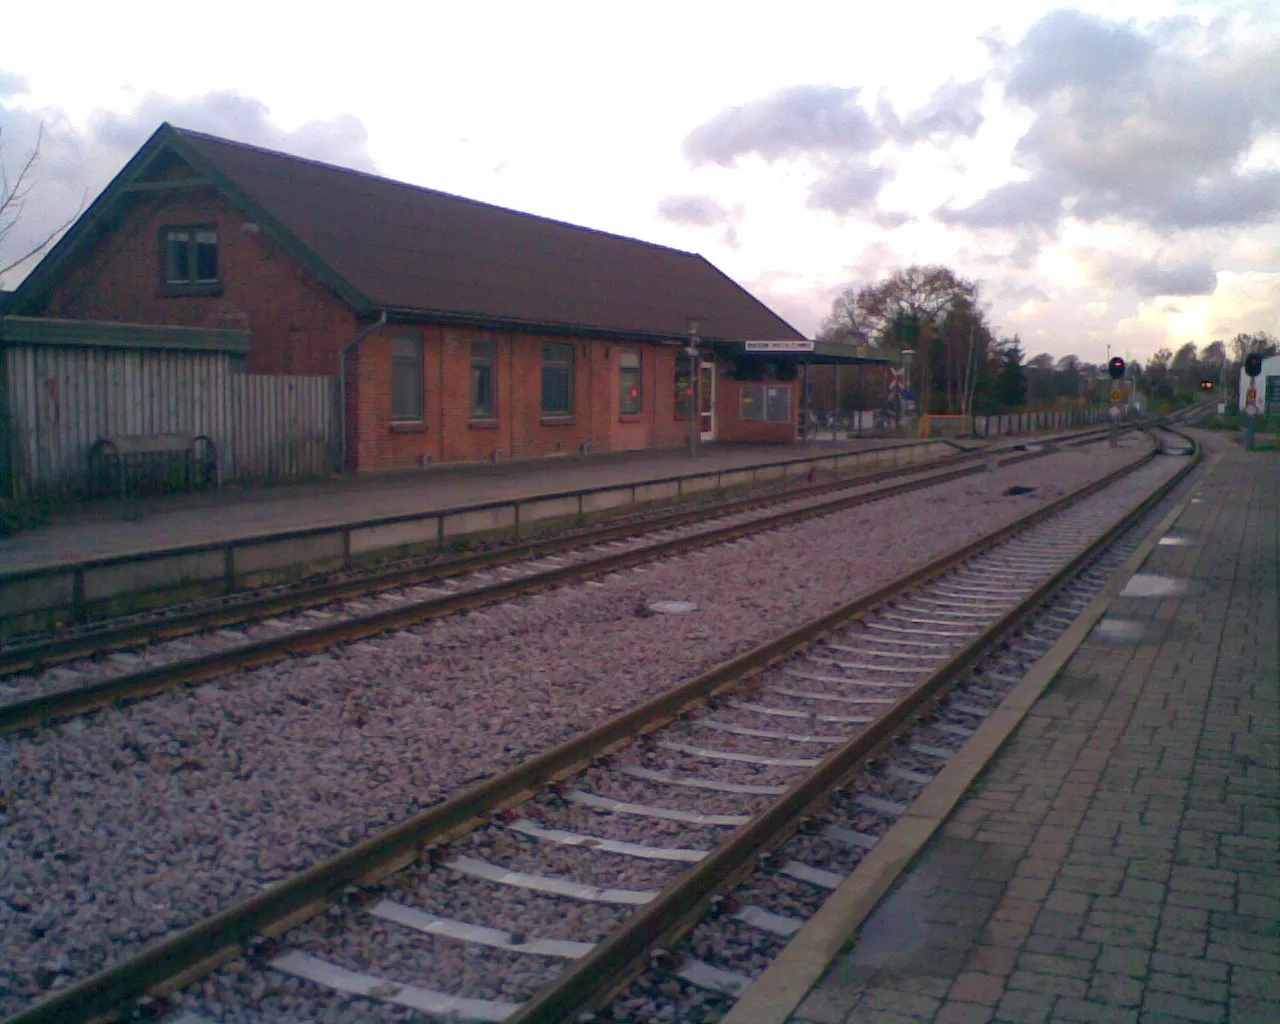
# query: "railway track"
603,852
122,632
317,618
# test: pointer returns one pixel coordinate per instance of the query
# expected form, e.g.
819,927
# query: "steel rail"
20,656
39,653
604,972
38,710
204,946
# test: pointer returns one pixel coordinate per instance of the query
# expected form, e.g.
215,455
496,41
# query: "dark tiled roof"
411,248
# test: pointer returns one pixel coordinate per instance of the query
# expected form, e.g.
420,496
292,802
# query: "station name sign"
777,346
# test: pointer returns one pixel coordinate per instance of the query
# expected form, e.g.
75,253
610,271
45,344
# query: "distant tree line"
961,368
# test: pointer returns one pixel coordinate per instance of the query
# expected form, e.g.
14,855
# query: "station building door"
707,400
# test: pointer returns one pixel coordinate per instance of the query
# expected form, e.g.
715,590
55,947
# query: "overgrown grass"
16,516
1234,419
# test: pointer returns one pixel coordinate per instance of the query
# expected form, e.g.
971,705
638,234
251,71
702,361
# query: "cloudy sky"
1110,172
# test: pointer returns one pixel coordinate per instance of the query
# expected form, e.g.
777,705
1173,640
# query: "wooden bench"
196,455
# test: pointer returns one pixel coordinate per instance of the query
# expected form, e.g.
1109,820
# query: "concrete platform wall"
79,592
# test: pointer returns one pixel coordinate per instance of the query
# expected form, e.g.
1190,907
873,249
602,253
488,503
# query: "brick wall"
518,430
298,325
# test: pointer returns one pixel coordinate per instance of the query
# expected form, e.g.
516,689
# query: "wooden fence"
58,400
280,426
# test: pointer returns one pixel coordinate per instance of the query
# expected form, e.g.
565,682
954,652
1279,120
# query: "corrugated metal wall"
60,400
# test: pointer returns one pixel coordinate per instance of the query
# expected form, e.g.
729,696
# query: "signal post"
1252,367
1115,368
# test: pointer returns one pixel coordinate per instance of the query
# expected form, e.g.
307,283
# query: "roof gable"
382,244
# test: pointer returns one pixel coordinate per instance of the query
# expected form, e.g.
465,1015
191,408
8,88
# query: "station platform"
1116,859
107,529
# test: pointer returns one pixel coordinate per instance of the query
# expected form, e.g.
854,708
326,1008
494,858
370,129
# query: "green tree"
930,309
1246,344
1011,384
879,312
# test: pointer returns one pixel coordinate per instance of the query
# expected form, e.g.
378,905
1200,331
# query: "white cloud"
1149,127
702,211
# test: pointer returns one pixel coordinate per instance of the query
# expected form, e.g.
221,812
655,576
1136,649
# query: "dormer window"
190,256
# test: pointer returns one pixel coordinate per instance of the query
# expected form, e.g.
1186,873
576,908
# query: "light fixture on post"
692,352
907,353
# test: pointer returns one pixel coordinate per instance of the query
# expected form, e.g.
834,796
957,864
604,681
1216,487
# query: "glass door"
707,401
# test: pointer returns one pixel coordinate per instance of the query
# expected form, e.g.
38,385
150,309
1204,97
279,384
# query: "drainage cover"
1145,584
672,607
1119,629
1019,490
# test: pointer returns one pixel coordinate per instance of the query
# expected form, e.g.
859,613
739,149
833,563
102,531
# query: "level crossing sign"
1116,396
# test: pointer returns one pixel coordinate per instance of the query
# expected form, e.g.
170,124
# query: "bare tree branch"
13,200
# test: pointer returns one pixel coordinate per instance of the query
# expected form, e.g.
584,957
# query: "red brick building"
462,331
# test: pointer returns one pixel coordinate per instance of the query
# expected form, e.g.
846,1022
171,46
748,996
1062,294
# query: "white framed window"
766,403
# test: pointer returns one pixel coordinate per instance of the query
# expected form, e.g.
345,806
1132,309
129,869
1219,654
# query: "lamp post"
907,353
691,351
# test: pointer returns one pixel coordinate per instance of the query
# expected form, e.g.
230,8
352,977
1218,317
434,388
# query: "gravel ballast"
121,827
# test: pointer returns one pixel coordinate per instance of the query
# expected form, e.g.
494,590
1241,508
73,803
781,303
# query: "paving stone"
1058,925
1140,937
1063,947
1204,901
1190,985
972,987
1064,901
1125,906
997,960
1093,1013
1124,960
963,1013
1241,957
1044,964
1006,933
1184,1008
1014,909
1025,1008
1254,1011
1137,889
1132,815
1257,984
823,1006
899,1002
1115,989
1185,918
1048,984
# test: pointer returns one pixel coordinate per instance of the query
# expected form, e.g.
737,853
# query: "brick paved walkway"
1117,861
